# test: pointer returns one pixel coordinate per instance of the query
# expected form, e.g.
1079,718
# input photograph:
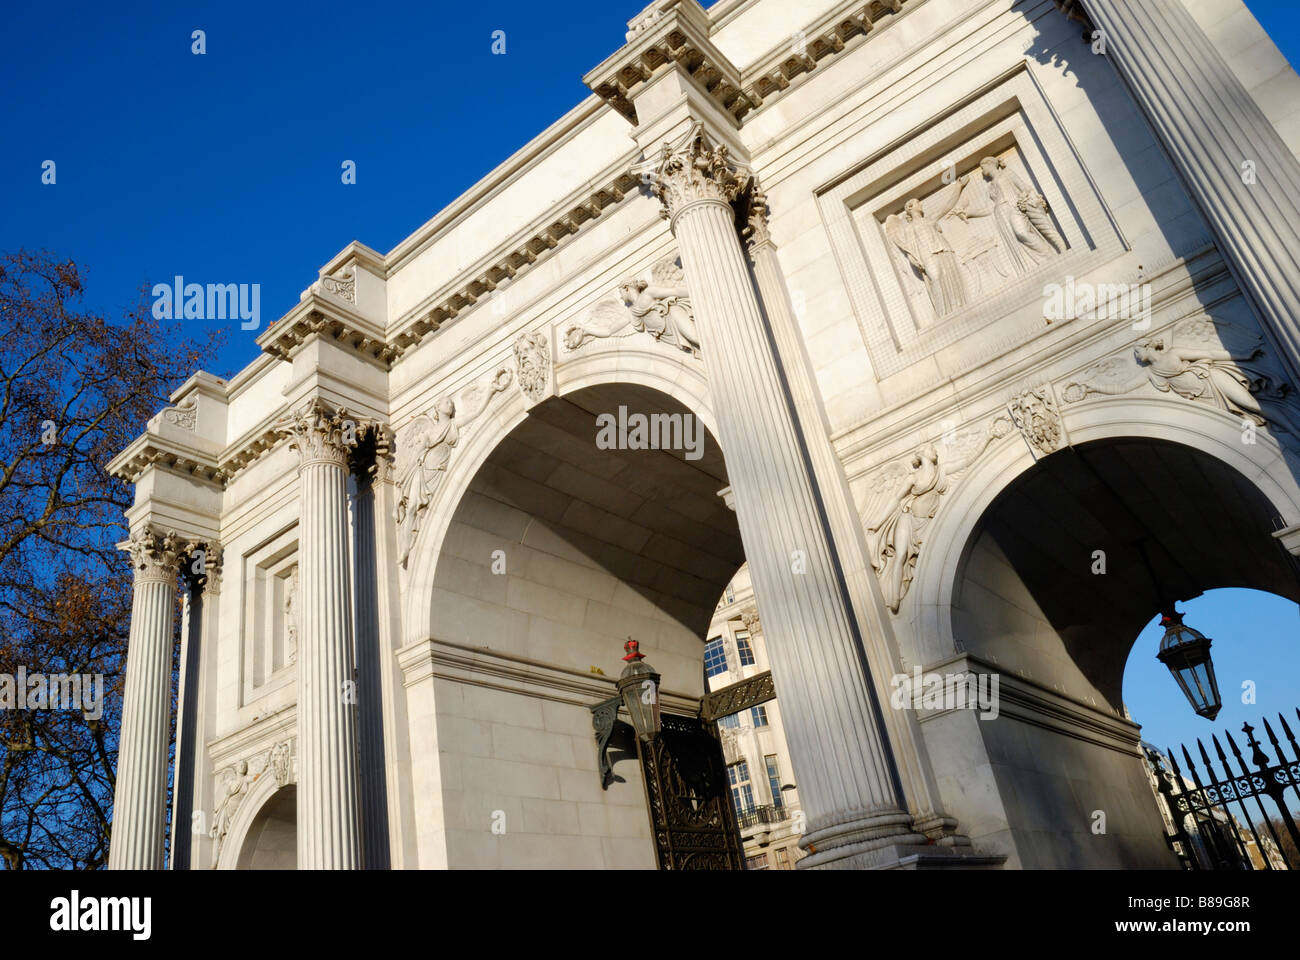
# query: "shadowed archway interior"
1064,570
594,544
1165,522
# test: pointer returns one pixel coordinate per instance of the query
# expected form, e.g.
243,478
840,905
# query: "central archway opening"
562,547
1062,573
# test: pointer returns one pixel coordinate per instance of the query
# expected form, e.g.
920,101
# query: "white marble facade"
861,242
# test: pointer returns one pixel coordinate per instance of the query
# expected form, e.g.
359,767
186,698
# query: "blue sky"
226,168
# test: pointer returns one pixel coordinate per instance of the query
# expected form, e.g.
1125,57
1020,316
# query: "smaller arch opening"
272,839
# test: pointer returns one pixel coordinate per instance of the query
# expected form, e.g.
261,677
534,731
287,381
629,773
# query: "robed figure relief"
918,232
970,238
1025,230
1216,363
905,496
425,451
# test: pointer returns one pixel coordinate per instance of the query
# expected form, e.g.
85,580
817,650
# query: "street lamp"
638,685
1186,652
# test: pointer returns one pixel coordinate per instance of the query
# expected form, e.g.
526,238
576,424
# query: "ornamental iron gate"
691,820
1207,812
688,797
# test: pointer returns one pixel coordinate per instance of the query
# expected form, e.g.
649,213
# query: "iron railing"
762,814
1207,818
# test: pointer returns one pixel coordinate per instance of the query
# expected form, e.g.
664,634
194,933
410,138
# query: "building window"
742,792
757,862
782,858
730,594
746,651
760,715
731,721
715,658
774,780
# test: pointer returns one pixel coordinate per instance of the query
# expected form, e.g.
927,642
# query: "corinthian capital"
754,210
692,170
320,433
155,556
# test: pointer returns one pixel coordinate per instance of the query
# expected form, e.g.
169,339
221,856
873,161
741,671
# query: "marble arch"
829,230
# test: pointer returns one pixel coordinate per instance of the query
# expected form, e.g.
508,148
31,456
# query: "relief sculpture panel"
969,238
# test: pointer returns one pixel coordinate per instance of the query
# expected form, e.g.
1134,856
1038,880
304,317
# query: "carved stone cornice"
315,316
523,251
678,32
155,556
668,33
320,433
150,450
695,169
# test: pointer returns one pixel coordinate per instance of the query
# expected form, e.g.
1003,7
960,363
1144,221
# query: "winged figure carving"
424,452
659,306
905,497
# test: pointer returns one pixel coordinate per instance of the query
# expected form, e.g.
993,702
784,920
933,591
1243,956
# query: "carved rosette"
155,556
694,170
320,433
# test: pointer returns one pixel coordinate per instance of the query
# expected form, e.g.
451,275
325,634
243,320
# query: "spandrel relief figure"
1213,363
231,795
1025,230
1208,361
660,306
905,496
918,233
425,451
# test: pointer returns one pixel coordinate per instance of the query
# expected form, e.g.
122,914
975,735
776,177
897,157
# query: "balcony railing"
764,814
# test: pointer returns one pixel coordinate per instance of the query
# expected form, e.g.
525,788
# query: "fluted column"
329,821
1211,126
370,699
140,797
847,777
874,635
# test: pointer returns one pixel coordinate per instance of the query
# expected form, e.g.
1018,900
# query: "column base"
903,856
892,841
